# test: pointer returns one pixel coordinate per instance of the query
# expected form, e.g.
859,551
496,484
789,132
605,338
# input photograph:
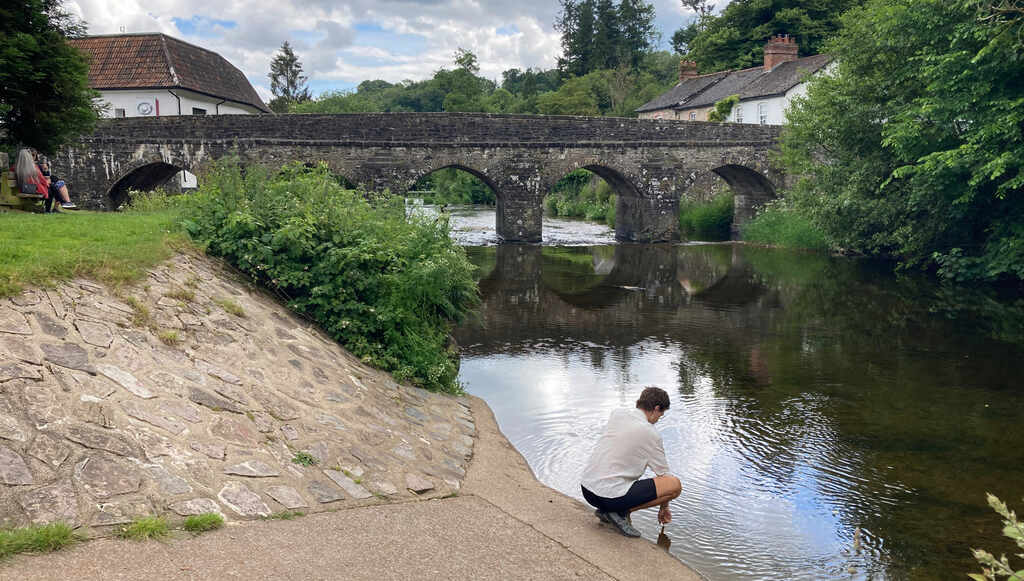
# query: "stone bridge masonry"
650,164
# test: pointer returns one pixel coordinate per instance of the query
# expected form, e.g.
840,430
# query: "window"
762,113
693,115
119,112
198,111
739,113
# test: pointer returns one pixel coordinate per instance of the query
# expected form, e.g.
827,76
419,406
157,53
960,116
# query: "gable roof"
784,77
684,90
158,61
750,83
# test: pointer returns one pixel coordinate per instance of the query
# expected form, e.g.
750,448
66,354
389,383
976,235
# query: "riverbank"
504,525
193,392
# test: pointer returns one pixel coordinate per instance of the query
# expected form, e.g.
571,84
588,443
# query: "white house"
152,75
764,92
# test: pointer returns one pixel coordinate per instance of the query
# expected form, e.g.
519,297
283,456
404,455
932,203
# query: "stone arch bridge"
650,164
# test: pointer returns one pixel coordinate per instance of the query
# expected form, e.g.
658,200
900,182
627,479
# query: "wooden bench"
10,195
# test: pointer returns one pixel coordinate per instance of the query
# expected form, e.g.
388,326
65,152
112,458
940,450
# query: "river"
829,420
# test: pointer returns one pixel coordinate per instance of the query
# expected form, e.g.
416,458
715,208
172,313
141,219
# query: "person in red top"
32,179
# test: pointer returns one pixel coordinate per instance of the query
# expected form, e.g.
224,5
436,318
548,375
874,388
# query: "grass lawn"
108,247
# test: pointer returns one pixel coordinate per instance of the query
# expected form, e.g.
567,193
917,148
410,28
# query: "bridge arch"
751,188
520,154
461,166
143,176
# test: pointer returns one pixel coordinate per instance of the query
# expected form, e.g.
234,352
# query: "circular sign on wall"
145,108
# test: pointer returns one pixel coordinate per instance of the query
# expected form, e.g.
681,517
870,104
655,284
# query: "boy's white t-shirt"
629,445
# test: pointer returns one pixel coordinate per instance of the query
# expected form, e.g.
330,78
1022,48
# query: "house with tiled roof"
155,75
764,92
152,74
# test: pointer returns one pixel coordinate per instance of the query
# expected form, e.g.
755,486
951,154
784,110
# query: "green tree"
575,97
723,108
735,39
45,100
639,35
576,23
607,35
914,147
287,82
465,90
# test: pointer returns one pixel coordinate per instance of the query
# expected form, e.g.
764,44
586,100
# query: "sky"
341,44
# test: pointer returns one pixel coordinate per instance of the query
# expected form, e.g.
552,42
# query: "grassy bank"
780,226
40,249
707,221
387,287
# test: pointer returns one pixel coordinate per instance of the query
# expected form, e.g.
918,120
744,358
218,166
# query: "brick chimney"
780,49
687,70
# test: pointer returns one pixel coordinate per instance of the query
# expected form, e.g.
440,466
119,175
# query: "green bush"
781,226
386,286
710,221
581,195
994,568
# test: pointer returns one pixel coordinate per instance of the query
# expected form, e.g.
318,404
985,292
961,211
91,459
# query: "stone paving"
157,400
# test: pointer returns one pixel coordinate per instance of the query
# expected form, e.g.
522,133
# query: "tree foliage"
914,147
735,38
287,82
600,35
616,91
45,99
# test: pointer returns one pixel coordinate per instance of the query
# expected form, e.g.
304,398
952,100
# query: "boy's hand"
664,515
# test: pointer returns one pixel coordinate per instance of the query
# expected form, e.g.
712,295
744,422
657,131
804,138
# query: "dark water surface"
811,397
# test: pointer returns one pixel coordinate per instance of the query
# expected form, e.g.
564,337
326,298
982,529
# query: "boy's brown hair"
651,397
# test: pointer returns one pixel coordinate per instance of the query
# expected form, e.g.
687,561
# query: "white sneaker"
68,206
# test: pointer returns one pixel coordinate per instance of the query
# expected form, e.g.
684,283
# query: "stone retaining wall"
102,421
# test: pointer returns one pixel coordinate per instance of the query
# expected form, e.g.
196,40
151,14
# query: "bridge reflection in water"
811,398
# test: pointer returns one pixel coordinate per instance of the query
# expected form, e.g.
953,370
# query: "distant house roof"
784,77
753,83
684,90
158,61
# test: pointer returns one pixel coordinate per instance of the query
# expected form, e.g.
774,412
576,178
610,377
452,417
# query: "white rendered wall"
160,102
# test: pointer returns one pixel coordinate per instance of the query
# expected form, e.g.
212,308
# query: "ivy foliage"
386,286
723,108
914,147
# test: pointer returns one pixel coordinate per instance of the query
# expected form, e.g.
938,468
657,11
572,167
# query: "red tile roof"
158,61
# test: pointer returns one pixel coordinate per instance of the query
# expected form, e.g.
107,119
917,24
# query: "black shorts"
642,492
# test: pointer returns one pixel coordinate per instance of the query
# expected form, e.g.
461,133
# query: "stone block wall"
650,164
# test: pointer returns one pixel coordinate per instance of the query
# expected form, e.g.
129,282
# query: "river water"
829,420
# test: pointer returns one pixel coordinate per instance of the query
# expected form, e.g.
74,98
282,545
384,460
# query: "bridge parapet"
649,163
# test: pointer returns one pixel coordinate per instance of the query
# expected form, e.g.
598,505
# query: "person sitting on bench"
32,180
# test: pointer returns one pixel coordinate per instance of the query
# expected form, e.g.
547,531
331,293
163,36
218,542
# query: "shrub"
781,226
581,194
707,220
995,568
386,286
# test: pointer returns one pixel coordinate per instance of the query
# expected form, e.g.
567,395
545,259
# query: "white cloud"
355,40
